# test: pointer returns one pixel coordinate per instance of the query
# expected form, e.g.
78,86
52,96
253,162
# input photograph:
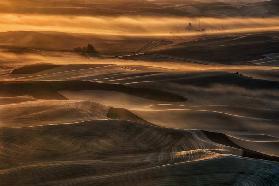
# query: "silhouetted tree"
91,49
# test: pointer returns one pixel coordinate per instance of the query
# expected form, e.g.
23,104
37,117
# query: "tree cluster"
89,50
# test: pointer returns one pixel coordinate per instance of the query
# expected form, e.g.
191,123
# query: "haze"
139,92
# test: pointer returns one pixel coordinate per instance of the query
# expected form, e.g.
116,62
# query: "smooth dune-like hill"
62,132
32,113
221,49
88,153
139,93
26,41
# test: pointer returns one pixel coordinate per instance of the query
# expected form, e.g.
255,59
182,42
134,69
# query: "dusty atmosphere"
139,93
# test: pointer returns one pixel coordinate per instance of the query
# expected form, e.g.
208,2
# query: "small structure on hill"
190,27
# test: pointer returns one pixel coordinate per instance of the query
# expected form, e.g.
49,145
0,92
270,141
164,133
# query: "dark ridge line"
233,79
39,89
26,49
223,139
39,67
32,69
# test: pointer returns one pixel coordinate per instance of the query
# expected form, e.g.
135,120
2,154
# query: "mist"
133,25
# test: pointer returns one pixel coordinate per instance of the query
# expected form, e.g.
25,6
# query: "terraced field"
139,93
118,122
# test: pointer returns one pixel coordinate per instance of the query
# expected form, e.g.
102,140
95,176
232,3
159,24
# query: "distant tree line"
88,50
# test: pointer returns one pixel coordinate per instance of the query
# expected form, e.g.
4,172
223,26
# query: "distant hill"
217,8
68,42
